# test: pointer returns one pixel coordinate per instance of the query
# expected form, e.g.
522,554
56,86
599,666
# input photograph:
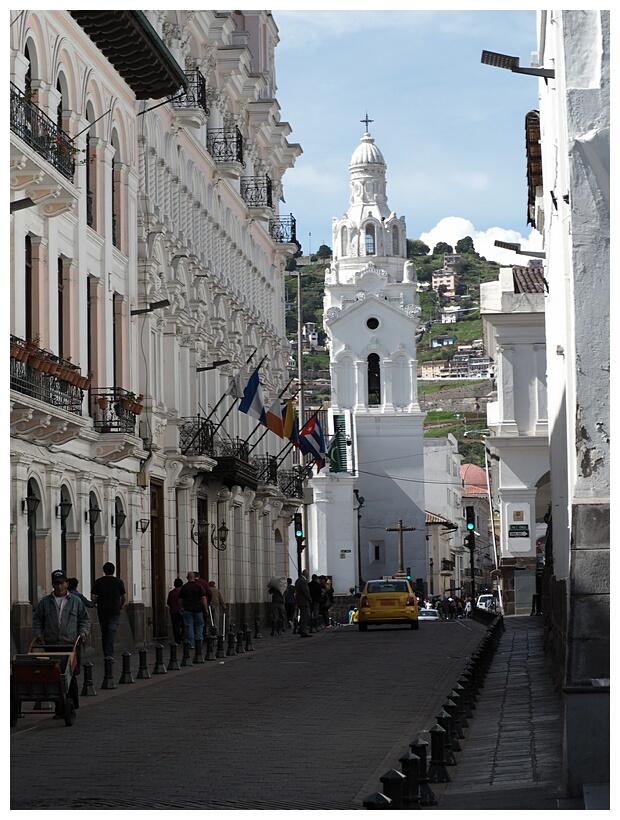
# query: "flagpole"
232,406
225,394
282,392
300,379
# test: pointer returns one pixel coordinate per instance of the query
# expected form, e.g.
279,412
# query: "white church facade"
370,317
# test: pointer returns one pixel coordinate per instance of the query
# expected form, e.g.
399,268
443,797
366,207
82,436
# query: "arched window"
344,241
374,379
395,250
370,240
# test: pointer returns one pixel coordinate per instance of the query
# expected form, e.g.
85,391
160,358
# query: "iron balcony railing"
266,469
196,437
114,410
447,566
291,482
196,93
233,448
283,229
225,144
256,191
45,387
41,133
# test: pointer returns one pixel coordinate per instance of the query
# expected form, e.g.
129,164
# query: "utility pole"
400,530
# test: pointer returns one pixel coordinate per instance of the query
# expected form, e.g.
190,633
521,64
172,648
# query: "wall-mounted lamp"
512,64
200,532
213,366
516,247
153,306
219,541
21,204
63,509
142,525
359,498
30,504
118,519
92,515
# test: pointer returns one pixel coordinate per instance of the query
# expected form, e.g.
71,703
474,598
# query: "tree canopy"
443,247
324,252
465,245
415,247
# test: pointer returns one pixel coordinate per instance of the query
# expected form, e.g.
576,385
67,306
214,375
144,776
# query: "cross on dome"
366,120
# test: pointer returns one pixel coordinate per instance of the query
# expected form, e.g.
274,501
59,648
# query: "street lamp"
360,503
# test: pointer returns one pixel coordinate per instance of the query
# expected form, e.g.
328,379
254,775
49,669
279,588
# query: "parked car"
388,601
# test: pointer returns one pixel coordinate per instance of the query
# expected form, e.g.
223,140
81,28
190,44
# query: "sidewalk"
512,755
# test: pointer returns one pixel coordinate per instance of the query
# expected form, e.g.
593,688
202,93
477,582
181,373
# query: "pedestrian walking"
327,599
289,601
218,607
316,593
176,619
61,619
468,608
193,606
304,602
108,593
73,590
207,591
276,588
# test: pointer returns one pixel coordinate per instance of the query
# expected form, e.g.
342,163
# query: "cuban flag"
312,442
252,402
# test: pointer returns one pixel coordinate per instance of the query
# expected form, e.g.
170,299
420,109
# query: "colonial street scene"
222,441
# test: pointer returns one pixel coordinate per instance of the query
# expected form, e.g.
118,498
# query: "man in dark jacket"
193,607
303,601
108,593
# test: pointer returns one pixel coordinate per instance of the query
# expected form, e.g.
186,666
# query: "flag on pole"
290,429
235,388
274,419
312,442
252,402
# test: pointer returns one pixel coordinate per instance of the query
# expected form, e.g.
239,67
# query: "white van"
484,600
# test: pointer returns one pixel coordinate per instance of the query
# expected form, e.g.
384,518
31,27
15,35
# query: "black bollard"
466,703
377,801
210,656
456,699
393,783
126,676
427,796
198,658
449,706
443,719
220,647
186,660
143,671
159,668
231,644
108,673
173,663
410,765
256,629
88,687
460,691
437,771
249,646
239,650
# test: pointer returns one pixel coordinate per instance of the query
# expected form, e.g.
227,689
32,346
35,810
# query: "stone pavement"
512,755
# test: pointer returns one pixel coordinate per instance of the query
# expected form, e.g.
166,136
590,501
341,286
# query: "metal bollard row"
411,787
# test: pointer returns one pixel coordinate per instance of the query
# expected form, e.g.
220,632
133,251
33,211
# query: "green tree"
291,264
415,247
443,247
324,252
465,245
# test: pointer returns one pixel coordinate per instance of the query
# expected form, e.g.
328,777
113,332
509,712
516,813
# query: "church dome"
367,153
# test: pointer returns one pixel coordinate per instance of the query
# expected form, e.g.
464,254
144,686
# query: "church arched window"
370,240
344,241
395,250
374,379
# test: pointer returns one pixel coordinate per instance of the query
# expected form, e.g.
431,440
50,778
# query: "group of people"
301,604
61,618
450,609
194,605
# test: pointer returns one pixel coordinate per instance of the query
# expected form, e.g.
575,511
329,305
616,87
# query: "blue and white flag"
252,402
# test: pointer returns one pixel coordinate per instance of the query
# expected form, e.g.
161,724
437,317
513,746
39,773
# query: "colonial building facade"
147,260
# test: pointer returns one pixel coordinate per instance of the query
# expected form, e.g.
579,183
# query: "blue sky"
451,130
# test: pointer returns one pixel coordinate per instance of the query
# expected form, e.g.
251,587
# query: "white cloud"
452,228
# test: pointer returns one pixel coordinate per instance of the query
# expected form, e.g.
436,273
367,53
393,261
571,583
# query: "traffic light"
299,527
470,518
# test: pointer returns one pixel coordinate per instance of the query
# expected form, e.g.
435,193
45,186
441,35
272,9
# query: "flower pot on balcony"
83,383
137,408
38,364
102,401
127,404
19,353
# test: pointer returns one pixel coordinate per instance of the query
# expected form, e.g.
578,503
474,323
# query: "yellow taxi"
389,600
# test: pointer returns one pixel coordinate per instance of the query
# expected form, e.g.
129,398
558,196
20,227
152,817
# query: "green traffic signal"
470,517
299,530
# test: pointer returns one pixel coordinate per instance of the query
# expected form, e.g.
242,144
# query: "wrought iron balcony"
256,191
196,437
41,133
114,410
43,376
291,482
283,229
447,566
233,464
266,469
196,93
225,144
